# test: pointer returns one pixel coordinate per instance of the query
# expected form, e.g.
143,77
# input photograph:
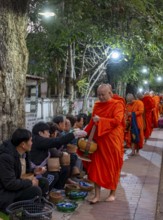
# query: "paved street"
136,197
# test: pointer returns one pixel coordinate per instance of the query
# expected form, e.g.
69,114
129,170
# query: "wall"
46,109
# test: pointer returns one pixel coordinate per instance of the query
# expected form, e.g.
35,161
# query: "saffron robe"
161,105
106,164
136,106
149,105
156,110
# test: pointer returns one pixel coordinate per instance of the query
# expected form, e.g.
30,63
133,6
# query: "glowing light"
115,55
47,14
140,89
144,70
159,78
145,82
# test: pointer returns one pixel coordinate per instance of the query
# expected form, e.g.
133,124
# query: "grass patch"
4,216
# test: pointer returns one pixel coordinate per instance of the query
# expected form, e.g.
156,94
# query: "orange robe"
156,110
148,108
136,106
161,106
106,164
117,97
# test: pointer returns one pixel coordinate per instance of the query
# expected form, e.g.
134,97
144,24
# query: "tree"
124,24
133,26
13,64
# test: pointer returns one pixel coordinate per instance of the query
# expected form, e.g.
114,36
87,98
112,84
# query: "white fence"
46,109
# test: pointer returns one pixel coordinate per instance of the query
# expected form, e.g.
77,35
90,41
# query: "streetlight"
145,82
159,78
47,14
144,70
140,89
115,55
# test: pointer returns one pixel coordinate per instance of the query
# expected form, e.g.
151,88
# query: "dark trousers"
28,193
33,191
73,159
52,178
63,176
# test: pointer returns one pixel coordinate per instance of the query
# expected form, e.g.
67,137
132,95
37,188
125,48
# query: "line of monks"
141,117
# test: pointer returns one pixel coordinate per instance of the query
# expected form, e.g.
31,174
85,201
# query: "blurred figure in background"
134,137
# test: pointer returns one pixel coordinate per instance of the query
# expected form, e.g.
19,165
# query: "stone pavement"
137,193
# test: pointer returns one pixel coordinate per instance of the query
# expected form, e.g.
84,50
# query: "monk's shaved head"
130,98
146,93
139,95
151,93
105,86
104,92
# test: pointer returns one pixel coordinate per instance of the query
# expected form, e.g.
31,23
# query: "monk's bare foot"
94,200
132,154
111,198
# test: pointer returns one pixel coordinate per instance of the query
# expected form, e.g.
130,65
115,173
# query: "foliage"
4,216
82,85
134,26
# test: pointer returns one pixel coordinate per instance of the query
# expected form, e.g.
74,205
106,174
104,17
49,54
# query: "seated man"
12,187
42,144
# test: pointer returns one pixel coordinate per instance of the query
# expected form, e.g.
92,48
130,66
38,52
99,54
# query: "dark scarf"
134,129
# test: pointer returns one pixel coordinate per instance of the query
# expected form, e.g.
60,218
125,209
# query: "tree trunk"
13,65
94,78
61,85
72,77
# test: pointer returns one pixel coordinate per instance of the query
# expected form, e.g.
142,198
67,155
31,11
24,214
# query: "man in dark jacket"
41,147
12,187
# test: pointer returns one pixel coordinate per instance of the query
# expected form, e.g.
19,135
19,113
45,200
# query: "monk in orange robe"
137,107
161,105
156,99
149,105
106,162
117,97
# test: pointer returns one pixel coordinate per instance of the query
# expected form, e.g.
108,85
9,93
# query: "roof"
34,77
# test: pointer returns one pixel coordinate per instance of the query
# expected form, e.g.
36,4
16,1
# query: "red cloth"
106,164
148,108
156,110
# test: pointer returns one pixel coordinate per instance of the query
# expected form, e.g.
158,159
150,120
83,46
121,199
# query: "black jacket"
10,171
41,146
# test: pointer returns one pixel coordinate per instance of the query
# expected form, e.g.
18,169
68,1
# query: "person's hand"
34,182
40,170
80,134
96,118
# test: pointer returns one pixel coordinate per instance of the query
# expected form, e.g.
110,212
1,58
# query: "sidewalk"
136,197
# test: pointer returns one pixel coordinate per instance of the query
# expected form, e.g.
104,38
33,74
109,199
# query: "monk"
104,169
149,106
137,107
161,105
156,99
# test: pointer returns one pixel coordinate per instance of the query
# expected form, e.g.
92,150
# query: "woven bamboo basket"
71,187
82,143
55,197
71,148
53,164
65,160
